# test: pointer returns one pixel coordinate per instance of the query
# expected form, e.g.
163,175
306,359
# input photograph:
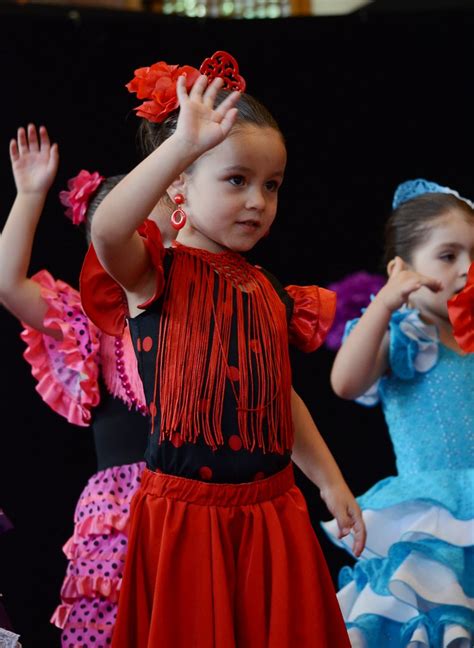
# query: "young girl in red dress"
222,552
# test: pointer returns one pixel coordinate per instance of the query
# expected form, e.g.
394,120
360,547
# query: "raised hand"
200,125
402,282
34,160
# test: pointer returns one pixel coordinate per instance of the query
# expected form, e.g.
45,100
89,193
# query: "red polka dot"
235,442
147,343
176,439
259,475
233,373
255,346
205,473
152,409
139,344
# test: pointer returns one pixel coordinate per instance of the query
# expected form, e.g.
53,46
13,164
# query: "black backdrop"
365,101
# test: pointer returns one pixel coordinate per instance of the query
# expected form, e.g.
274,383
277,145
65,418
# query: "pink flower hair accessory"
80,190
157,83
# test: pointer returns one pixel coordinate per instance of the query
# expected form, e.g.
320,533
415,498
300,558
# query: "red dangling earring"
178,217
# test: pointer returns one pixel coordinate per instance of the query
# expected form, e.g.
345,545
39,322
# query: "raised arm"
34,164
363,357
313,457
200,127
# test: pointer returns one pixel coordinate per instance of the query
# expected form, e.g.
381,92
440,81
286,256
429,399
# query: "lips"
250,224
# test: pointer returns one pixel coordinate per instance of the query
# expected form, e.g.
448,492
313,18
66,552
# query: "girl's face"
231,193
446,256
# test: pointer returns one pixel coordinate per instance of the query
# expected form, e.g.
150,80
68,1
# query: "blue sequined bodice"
431,416
427,398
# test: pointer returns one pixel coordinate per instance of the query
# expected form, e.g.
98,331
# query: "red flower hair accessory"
157,83
81,188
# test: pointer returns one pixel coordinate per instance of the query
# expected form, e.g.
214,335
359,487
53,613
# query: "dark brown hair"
409,225
249,111
107,185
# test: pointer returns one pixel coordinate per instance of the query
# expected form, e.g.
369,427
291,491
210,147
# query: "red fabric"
313,314
461,314
225,566
103,299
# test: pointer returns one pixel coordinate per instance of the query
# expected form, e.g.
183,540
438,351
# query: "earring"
178,217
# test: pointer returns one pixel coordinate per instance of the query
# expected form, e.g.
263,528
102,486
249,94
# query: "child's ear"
390,266
176,187
396,264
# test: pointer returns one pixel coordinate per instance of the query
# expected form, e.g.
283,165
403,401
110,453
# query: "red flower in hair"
157,83
461,314
80,191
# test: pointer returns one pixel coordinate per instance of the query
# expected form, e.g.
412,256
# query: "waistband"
211,494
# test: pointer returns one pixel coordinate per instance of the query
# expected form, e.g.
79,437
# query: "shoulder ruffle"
414,348
67,370
413,344
313,314
103,298
461,314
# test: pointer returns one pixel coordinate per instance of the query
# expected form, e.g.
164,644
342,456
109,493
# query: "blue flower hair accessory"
414,188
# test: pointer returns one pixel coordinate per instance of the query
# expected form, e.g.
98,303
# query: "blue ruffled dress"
414,584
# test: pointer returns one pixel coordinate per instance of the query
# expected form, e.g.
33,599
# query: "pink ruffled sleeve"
313,314
66,370
103,298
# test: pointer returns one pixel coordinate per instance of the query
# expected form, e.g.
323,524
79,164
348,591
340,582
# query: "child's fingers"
33,144
344,522
360,533
228,104
432,284
14,154
22,141
229,120
54,156
44,138
199,87
181,91
210,92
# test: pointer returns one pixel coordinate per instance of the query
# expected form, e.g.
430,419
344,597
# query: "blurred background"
368,94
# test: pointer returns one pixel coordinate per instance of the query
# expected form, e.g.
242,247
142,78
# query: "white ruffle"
425,336
406,522
355,603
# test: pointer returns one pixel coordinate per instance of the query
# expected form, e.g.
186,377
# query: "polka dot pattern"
96,554
147,343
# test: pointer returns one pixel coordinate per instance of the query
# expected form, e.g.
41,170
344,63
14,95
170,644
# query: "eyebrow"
238,168
452,244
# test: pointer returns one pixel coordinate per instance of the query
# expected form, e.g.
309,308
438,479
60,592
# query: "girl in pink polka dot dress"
222,553
84,375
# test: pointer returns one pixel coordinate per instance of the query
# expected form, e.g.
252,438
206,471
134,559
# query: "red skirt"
225,566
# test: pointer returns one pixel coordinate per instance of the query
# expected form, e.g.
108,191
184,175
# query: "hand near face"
200,126
402,282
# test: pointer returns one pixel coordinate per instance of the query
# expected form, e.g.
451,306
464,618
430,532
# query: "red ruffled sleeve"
313,314
103,298
461,314
67,370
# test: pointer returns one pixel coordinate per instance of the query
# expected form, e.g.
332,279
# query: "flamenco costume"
91,379
413,586
222,553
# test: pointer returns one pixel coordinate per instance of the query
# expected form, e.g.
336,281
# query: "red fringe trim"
201,307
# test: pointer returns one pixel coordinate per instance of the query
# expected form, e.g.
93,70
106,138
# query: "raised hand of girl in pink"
34,160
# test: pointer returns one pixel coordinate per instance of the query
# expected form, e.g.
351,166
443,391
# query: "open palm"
34,160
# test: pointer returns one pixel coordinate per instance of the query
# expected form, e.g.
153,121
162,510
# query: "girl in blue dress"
413,586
